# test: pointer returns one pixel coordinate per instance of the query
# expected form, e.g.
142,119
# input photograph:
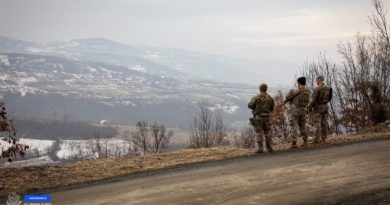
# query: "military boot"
269,148
294,145
260,147
304,144
316,141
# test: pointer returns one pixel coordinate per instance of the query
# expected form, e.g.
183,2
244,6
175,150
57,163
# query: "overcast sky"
289,30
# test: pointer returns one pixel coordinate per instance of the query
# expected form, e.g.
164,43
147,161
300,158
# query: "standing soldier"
299,99
322,95
262,105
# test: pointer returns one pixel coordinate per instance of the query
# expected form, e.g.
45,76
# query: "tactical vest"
263,104
302,99
324,95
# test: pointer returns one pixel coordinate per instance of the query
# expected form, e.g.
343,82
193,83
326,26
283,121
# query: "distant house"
104,122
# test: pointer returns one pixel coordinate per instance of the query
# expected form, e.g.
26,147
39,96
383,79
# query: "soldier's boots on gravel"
260,148
319,142
304,144
269,147
259,151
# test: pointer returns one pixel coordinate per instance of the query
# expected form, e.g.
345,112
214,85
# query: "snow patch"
137,68
41,145
30,162
232,96
35,50
229,109
4,77
153,55
4,60
28,80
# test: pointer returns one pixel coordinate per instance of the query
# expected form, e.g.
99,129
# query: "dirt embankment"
32,179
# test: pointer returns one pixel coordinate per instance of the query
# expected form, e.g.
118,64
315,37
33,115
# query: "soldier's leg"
267,136
259,135
317,127
324,126
294,129
302,128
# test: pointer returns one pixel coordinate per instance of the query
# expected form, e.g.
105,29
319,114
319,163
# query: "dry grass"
28,179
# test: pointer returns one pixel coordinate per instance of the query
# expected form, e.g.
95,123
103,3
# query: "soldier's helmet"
263,87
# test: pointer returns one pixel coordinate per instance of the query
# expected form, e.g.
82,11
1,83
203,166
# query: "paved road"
316,176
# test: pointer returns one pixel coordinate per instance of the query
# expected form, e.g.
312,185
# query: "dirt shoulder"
381,197
32,179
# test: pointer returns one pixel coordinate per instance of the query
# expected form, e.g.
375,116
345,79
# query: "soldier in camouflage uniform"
262,105
299,99
320,98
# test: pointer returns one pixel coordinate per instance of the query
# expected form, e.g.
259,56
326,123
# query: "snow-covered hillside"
109,87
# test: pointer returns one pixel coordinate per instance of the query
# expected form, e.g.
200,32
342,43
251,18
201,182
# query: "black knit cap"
302,80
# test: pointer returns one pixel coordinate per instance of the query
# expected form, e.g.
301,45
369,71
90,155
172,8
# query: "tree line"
361,83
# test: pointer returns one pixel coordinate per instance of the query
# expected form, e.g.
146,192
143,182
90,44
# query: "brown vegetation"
10,146
361,84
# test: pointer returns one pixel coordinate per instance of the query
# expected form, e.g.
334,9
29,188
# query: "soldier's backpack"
263,104
303,98
325,95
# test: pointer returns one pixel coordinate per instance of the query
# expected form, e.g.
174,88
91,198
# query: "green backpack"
325,95
303,98
263,104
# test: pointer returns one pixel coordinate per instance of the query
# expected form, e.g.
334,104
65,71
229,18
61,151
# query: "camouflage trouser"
262,128
320,126
298,124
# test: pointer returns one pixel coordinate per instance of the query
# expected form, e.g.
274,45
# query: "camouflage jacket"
261,104
320,98
298,98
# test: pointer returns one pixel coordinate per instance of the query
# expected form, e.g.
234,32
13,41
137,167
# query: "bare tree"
245,139
361,83
207,131
151,139
141,137
131,149
161,138
219,133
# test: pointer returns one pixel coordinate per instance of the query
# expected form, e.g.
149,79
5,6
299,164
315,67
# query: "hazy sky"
290,30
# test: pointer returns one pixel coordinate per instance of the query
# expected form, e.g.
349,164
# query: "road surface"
314,176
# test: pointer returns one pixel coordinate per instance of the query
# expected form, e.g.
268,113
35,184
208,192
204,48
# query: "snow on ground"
28,80
30,162
4,60
40,150
35,50
153,55
229,109
232,96
137,68
4,77
75,149
40,145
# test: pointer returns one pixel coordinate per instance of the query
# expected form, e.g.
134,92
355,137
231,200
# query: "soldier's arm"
290,95
252,103
313,99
